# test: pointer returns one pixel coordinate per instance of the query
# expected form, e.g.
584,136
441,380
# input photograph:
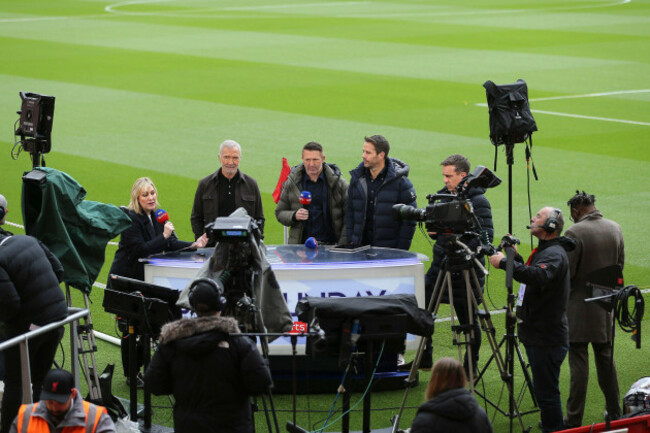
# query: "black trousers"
42,350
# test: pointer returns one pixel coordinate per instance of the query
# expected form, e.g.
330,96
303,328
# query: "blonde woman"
145,237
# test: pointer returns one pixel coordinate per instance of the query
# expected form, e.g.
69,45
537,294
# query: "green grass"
151,88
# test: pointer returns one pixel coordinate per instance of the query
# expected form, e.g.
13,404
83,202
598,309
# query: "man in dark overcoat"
599,245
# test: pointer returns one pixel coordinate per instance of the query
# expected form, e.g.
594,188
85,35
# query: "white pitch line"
591,95
580,116
45,18
291,5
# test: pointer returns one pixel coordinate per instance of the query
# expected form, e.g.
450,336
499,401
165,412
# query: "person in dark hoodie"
454,169
30,297
450,407
541,309
377,184
210,371
324,217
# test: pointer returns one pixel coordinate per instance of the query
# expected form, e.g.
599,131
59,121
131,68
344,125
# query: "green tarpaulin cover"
76,231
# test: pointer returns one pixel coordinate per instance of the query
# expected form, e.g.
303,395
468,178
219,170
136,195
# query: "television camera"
236,238
450,213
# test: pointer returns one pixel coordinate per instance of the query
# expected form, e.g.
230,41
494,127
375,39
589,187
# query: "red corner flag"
284,174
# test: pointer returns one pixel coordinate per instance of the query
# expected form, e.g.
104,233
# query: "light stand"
511,121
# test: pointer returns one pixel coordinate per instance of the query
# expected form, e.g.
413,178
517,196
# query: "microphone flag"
284,174
162,216
311,243
305,198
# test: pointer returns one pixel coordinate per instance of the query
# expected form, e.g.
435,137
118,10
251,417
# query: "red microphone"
162,216
305,199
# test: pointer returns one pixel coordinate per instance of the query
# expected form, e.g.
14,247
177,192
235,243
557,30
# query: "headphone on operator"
213,284
3,212
551,222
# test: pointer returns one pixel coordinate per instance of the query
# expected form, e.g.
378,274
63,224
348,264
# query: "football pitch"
151,87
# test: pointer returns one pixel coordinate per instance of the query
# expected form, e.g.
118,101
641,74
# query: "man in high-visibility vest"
61,409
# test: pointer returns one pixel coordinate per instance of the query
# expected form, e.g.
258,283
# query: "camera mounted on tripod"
450,213
236,236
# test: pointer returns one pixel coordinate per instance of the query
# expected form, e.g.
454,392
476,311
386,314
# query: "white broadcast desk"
323,272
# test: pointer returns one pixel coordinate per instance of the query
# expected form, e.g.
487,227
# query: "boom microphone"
305,198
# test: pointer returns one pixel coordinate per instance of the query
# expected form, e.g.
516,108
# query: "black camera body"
455,215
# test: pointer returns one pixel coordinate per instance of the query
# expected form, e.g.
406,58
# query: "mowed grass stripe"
340,54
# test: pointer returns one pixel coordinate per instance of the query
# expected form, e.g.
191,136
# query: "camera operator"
210,372
599,245
541,309
454,169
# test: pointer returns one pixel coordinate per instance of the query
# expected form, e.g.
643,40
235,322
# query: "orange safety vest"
26,423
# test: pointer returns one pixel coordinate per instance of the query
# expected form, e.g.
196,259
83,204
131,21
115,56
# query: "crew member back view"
210,371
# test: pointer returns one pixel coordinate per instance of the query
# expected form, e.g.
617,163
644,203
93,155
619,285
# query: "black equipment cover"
418,321
510,118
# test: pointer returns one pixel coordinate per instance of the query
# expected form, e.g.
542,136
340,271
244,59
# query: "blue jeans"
545,363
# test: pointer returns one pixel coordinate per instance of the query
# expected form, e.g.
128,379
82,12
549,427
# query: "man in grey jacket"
324,217
599,245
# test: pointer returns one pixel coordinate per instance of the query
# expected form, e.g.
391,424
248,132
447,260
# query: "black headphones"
3,212
216,287
551,222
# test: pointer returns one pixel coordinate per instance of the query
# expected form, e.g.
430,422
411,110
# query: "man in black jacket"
454,169
210,371
224,191
541,309
30,297
377,184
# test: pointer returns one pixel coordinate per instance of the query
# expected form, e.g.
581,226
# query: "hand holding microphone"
163,218
302,214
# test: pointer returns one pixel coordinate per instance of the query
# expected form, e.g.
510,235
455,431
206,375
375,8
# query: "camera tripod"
461,258
512,347
241,305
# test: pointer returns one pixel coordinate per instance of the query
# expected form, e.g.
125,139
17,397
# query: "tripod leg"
452,316
524,368
505,369
470,335
432,308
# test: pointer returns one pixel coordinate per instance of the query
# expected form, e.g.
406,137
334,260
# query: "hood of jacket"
396,169
593,215
455,404
184,328
568,244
